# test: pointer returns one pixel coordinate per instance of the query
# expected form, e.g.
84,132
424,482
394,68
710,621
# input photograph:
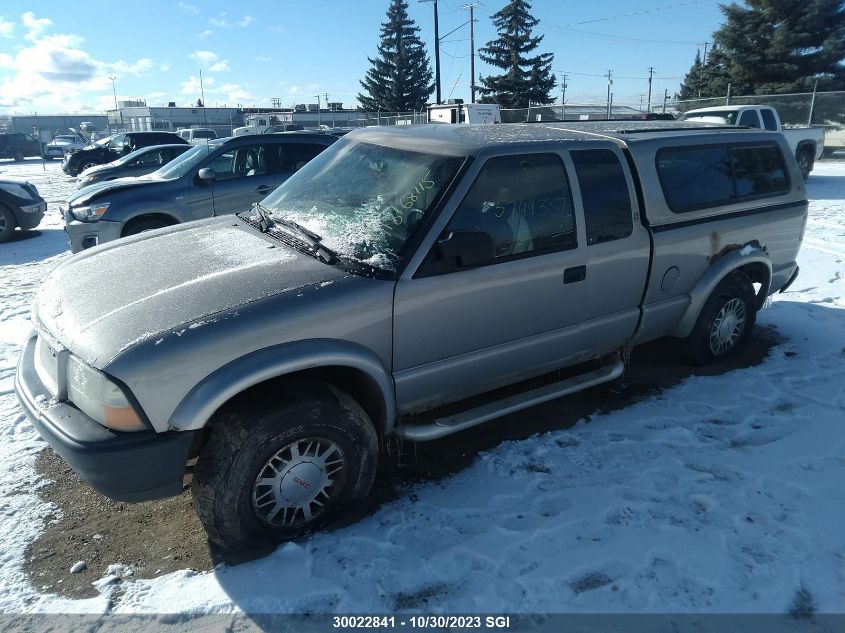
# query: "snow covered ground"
723,494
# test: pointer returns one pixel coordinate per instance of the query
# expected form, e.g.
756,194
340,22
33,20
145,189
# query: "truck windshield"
364,201
729,116
180,166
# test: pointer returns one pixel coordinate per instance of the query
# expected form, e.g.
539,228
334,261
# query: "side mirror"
468,249
206,175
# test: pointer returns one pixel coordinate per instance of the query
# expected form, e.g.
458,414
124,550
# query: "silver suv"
218,178
394,286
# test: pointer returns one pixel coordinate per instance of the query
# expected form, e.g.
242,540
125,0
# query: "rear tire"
280,468
726,320
805,163
8,222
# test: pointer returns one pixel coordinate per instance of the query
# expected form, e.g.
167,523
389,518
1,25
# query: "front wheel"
725,321
7,223
285,467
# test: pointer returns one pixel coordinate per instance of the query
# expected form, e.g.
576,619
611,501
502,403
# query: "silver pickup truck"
411,282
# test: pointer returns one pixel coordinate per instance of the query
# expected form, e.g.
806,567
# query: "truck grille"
47,366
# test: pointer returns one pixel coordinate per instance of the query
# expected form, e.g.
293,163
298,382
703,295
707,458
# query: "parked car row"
406,282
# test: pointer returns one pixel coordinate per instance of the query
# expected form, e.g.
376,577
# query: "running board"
486,412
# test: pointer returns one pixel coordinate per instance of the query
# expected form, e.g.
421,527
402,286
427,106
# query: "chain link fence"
825,109
570,112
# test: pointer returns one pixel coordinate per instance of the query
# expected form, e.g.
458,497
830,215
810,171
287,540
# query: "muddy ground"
160,537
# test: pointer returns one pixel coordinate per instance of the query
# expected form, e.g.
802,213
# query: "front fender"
717,271
197,407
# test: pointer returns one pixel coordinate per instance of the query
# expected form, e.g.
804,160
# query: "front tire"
281,468
8,222
143,225
87,165
726,320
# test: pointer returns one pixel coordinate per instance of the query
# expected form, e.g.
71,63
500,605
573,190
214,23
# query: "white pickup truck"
807,143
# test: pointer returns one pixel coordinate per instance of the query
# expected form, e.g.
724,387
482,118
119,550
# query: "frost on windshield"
364,200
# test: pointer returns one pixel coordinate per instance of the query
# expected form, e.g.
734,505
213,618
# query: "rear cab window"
694,178
605,196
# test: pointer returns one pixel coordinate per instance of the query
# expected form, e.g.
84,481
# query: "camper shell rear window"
705,176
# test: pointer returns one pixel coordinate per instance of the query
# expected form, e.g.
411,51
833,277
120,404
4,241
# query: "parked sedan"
138,163
20,206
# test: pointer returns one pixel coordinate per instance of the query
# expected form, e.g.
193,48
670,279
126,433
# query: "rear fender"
718,270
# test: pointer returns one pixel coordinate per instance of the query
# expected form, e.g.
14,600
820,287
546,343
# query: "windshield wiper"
311,239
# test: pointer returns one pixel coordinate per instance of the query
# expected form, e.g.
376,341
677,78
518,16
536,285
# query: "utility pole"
471,8
704,59
114,92
563,86
436,51
650,75
609,84
319,117
665,99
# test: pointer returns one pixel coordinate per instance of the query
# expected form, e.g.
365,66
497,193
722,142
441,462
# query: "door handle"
264,189
574,274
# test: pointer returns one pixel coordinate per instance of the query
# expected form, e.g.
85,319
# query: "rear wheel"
272,472
805,162
726,320
8,222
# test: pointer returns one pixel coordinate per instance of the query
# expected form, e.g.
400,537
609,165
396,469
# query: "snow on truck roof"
465,139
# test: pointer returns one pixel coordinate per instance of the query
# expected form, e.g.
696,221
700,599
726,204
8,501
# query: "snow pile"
723,494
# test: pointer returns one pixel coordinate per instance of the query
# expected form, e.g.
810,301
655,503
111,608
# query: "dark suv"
113,147
18,145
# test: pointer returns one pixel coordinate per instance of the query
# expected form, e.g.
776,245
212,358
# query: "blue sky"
58,56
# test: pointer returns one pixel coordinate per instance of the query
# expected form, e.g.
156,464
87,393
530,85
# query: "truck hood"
106,300
98,190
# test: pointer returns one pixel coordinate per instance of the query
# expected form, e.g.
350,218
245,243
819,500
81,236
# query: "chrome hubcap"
297,483
727,327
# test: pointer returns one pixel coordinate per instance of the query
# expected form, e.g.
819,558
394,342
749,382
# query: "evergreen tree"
400,77
777,46
692,84
706,79
526,79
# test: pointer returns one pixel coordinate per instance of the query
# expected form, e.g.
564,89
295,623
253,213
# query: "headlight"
99,398
89,213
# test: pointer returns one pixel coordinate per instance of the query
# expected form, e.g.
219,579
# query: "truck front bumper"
82,235
125,466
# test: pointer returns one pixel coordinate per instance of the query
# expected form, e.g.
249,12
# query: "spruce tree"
778,46
526,79
706,79
399,79
692,84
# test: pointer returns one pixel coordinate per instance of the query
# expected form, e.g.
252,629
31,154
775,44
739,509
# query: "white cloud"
306,89
192,86
246,21
205,34
220,21
210,60
204,57
164,67
141,67
6,28
35,25
188,8
53,72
